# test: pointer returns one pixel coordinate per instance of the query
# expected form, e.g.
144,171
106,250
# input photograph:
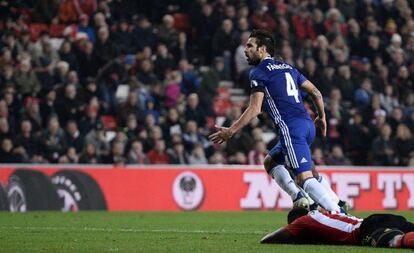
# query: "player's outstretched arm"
279,236
255,107
317,98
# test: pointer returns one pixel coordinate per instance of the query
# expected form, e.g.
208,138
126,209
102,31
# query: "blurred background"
99,98
144,82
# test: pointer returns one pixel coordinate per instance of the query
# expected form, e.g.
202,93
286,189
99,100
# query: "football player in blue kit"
278,85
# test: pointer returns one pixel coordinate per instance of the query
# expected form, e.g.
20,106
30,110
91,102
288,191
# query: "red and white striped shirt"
326,228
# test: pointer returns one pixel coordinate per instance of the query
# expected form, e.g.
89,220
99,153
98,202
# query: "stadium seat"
109,122
222,103
211,121
35,30
56,30
181,21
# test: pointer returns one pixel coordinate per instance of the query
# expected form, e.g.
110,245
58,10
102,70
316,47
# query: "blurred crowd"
135,82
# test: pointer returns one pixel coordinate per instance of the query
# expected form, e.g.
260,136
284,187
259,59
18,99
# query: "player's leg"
316,191
296,141
301,162
345,206
274,165
407,241
325,183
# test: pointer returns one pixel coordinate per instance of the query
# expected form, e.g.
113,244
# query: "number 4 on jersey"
291,87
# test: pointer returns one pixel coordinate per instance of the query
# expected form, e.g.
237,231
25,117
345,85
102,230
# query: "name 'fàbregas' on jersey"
280,82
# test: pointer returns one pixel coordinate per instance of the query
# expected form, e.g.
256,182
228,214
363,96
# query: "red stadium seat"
36,28
181,21
56,30
223,92
211,121
109,122
221,106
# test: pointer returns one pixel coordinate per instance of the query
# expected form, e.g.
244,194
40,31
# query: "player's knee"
315,172
301,177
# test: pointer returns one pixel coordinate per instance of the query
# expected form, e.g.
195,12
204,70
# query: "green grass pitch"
152,232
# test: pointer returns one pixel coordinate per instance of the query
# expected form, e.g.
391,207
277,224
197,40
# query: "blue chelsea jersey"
280,83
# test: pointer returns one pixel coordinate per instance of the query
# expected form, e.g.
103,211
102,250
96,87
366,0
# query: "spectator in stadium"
404,144
241,65
177,154
122,36
7,152
130,106
257,155
209,85
97,137
26,139
238,158
303,25
150,109
224,43
158,154
45,11
136,154
89,154
172,125
312,73
192,137
241,141
32,112
70,156
104,49
5,131
205,25
52,140
89,90
396,118
87,59
379,120
143,34
116,157
83,27
69,11
361,139
190,82
163,62
167,33
66,54
363,95
262,20
197,156
73,136
69,106
318,157
27,83
90,120
131,130
172,89
388,100
145,73
337,157
217,158
194,111
383,148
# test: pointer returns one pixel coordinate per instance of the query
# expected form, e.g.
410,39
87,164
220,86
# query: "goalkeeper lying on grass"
320,227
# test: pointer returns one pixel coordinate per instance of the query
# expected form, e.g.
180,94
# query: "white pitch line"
134,230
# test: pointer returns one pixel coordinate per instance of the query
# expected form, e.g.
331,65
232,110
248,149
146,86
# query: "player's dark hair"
295,213
264,38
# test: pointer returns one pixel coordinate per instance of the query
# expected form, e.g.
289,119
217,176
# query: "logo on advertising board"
188,190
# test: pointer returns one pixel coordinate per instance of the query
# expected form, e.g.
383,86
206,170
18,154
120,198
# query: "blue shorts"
294,146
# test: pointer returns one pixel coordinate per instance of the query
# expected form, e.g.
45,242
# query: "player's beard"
253,60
